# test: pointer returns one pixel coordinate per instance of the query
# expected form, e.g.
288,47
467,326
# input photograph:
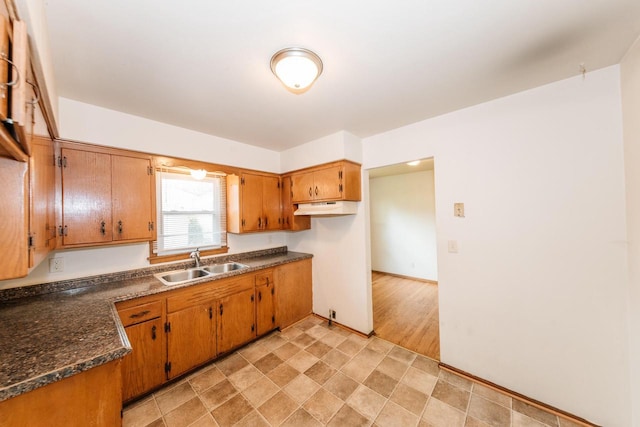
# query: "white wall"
403,225
89,123
535,299
341,278
630,77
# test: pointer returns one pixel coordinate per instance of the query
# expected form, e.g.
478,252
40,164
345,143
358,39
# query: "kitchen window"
191,214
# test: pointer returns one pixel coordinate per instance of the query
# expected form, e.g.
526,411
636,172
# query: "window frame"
165,164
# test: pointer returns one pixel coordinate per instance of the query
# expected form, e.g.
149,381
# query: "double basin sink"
184,276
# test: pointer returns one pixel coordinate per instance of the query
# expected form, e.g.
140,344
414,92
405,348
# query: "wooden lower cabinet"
236,324
294,293
143,368
89,398
265,299
185,328
191,338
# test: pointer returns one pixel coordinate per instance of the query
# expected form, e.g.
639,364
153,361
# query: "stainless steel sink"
184,276
176,277
225,268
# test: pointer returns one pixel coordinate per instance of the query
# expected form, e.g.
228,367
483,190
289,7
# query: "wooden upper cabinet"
14,225
131,188
42,204
106,197
253,203
86,197
290,221
20,90
330,182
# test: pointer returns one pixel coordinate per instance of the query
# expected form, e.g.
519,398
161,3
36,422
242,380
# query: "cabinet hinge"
167,327
55,160
340,188
150,225
273,319
150,170
62,162
273,290
253,328
63,231
167,367
278,184
340,174
243,222
30,241
241,181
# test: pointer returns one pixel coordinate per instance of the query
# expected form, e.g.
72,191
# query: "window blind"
191,213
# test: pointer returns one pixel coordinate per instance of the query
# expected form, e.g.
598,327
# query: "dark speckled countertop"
52,331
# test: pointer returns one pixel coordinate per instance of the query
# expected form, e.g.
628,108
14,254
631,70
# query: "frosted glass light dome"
296,67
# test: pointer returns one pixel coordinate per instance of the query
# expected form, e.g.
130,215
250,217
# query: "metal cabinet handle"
259,296
310,193
316,190
211,312
259,222
266,222
119,227
153,332
103,229
141,314
220,309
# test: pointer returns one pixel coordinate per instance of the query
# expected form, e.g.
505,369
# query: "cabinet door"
294,292
302,190
265,309
143,368
86,197
236,320
289,220
42,171
192,338
251,202
271,202
327,183
132,187
14,219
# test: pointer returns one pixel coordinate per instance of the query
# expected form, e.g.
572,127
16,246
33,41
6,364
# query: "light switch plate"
453,246
458,210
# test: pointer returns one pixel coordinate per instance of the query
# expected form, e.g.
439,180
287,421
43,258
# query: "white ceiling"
401,169
204,65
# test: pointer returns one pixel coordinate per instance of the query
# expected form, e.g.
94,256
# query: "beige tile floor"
311,374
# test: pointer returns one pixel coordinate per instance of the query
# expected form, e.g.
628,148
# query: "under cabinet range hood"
327,208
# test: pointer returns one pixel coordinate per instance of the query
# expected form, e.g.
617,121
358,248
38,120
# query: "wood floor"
405,312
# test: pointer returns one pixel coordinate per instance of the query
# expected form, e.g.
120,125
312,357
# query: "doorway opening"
404,256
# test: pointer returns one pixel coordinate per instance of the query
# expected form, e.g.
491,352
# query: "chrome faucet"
196,256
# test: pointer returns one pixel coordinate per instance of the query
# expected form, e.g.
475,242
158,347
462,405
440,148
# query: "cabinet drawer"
264,278
207,292
140,313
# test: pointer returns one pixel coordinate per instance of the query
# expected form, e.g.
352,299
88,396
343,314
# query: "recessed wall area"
403,256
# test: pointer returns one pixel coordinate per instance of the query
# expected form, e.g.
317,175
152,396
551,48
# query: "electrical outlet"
56,265
333,314
453,246
458,210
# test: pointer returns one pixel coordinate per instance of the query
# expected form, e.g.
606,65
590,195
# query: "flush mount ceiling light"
414,163
296,67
